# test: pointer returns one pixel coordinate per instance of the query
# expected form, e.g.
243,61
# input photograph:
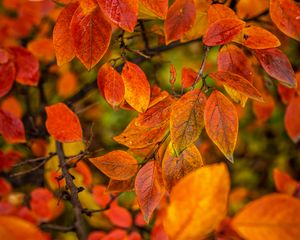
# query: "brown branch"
53,227
79,222
89,212
200,73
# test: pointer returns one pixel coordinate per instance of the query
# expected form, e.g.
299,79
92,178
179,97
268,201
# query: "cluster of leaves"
159,156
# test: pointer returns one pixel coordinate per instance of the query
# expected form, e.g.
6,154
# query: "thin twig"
89,212
53,227
77,208
200,73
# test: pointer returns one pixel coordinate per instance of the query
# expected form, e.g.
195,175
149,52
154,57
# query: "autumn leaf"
285,14
232,59
264,110
118,165
176,167
188,77
292,119
91,34
284,183
223,31
12,105
186,121
88,6
25,230
180,19
111,85
27,66
63,124
149,188
67,84
7,77
42,49
221,123
217,12
277,65
123,13
157,7
11,128
274,216
140,137
249,9
238,83
119,216
62,39
198,203
137,87
118,186
257,38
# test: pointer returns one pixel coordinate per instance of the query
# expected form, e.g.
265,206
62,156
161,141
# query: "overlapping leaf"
91,35
118,165
180,19
7,77
221,123
149,188
187,121
274,216
157,7
198,203
176,167
292,119
123,13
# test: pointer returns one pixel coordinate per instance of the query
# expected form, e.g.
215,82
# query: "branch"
89,212
52,227
200,73
79,223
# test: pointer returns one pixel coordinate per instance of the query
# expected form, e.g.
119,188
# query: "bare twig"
53,227
200,73
79,223
89,212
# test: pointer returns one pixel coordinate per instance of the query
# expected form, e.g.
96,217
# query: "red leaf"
123,13
137,87
149,188
216,12
27,66
7,77
277,65
91,34
292,119
188,77
99,195
180,19
8,160
63,124
111,85
285,14
62,40
11,128
119,216
221,123
223,31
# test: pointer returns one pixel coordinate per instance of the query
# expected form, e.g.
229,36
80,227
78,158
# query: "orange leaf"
67,85
42,49
263,110
249,9
63,124
99,195
258,38
44,205
123,13
12,105
237,83
7,77
180,19
27,66
198,203
233,59
221,123
137,87
119,216
223,31
157,115
217,12
62,40
188,77
292,119
275,216
176,167
88,5
118,165
14,228
140,137
91,34
186,121
285,14
118,186
111,85
157,7
285,183
277,65
149,188
5,187
11,128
